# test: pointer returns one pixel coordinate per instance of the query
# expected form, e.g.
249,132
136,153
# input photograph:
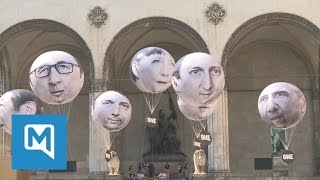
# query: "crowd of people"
146,172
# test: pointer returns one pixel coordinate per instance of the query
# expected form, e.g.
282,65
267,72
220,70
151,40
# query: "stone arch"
33,36
33,24
151,31
241,41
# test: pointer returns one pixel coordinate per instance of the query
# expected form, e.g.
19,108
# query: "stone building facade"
257,42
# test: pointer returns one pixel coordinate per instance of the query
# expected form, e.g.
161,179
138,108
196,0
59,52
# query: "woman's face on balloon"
281,105
112,110
153,69
56,77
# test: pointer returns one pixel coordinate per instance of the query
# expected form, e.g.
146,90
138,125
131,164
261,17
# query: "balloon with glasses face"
151,69
198,78
111,110
56,77
282,105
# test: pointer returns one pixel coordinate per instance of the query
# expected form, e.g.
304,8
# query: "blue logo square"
39,142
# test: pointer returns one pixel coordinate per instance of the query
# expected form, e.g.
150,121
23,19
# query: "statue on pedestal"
114,164
164,138
199,160
276,136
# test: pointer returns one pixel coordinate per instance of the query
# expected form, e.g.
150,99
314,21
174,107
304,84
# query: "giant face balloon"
112,110
151,69
282,105
195,112
18,101
56,77
198,78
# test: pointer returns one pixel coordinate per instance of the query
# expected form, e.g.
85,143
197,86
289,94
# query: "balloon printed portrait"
151,69
198,78
17,101
282,105
56,77
112,110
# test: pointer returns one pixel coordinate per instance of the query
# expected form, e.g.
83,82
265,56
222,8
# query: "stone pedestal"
199,176
160,160
280,168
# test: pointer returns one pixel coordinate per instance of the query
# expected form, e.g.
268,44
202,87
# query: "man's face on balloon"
112,111
56,77
6,111
281,105
200,79
195,112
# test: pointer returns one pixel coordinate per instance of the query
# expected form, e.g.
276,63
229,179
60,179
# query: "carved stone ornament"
215,13
97,16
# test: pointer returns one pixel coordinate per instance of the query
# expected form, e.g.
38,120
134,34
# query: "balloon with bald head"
56,77
282,105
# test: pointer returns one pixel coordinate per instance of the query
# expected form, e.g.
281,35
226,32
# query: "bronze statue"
164,138
276,136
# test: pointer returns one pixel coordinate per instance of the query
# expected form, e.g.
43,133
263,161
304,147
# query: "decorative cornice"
215,13
97,16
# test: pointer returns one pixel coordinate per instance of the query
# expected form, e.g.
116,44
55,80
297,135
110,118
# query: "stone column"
218,150
280,168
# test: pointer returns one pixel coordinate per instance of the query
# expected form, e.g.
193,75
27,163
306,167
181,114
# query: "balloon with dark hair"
151,69
112,110
17,101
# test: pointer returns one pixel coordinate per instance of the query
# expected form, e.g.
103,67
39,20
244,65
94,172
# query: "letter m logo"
39,137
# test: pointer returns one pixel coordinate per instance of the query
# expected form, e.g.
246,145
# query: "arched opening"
178,39
21,44
266,49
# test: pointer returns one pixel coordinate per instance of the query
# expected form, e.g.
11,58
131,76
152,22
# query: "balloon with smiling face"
198,78
151,70
282,105
56,77
112,111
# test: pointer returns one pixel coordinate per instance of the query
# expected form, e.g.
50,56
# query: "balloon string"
194,128
152,100
113,137
204,124
291,134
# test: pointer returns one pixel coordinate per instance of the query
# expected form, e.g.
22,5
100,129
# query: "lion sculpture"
114,164
199,160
